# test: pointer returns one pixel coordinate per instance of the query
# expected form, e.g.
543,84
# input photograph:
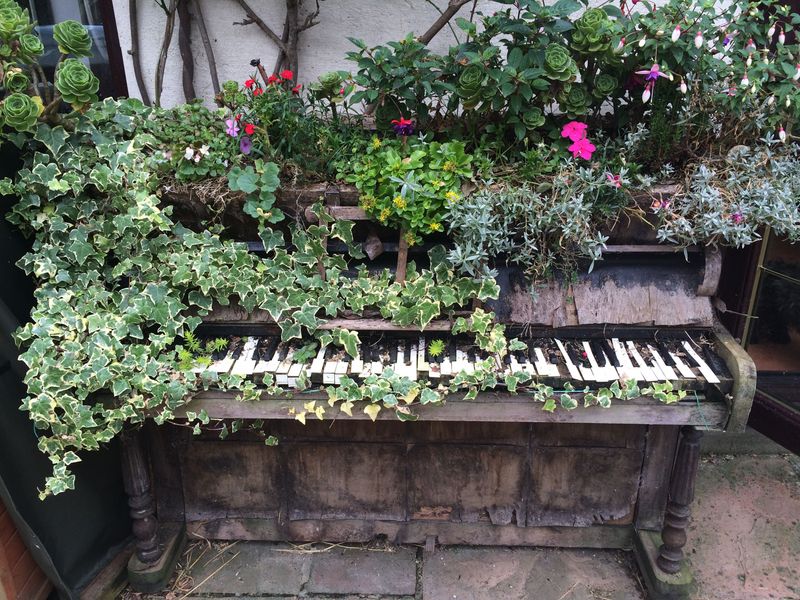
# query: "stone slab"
744,538
470,573
746,442
251,569
357,571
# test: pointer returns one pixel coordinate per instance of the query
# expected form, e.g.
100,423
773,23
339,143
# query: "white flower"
796,75
676,33
642,42
749,61
781,38
188,153
771,32
204,150
745,81
698,40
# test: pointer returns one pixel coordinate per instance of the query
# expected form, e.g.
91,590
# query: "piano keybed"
688,362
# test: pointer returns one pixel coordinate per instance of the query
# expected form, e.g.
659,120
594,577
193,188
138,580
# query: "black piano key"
717,365
551,351
270,347
597,350
392,351
407,353
521,357
612,356
579,356
664,352
471,354
451,349
507,359
531,354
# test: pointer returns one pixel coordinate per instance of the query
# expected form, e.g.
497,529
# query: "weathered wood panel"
467,483
20,576
654,482
587,434
343,480
238,479
583,486
446,533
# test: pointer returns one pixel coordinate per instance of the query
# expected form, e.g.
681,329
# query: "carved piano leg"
157,547
660,556
681,494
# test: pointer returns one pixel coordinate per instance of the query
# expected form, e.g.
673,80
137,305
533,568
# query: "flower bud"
698,40
745,81
642,42
788,102
771,32
781,38
660,33
749,61
646,95
781,134
620,46
754,88
683,87
751,45
676,33
770,100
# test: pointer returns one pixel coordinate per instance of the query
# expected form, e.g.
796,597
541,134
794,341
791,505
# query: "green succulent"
592,31
76,83
20,111
470,86
605,86
30,47
558,63
15,81
574,100
14,22
533,118
328,85
72,38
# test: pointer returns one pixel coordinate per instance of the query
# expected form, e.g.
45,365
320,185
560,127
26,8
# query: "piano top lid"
652,294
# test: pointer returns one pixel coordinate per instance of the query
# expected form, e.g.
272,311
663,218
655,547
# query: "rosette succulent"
328,85
533,118
605,86
20,111
574,100
30,47
72,38
14,22
558,64
591,32
76,83
470,86
15,81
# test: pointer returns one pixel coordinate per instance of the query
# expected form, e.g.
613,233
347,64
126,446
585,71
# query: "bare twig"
185,47
162,57
254,18
441,12
212,62
452,8
134,51
281,52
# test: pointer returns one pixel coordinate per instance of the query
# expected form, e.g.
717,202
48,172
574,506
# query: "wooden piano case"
497,470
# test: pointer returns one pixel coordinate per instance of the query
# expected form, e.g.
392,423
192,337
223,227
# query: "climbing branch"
185,47
212,62
134,51
452,8
162,57
252,17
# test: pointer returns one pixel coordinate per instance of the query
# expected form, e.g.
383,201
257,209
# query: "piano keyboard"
594,362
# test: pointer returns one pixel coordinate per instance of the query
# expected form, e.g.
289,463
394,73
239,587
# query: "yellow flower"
367,202
376,142
399,202
435,226
437,183
384,215
449,166
452,197
410,239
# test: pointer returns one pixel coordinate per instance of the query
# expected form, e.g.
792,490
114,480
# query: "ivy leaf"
372,410
427,311
80,250
349,340
290,330
511,383
549,404
429,396
568,402
404,414
271,239
306,316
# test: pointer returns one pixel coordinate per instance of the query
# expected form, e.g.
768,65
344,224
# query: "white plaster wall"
322,48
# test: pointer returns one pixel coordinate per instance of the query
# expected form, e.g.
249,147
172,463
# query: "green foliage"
20,111
72,38
436,348
76,83
409,185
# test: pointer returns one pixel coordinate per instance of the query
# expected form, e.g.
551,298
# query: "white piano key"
544,367
684,369
329,372
705,370
667,370
459,364
574,373
357,364
661,376
399,365
224,364
271,365
294,374
315,369
626,369
600,373
411,368
341,370
422,365
446,367
647,373
282,372
245,364
514,366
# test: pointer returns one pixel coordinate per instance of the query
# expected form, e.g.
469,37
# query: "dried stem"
134,51
254,18
212,62
185,47
162,57
452,8
281,54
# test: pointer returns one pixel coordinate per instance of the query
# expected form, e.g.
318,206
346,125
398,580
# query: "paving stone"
348,571
468,573
744,537
255,569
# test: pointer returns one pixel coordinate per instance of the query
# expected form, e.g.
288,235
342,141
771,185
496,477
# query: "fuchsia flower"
403,127
583,148
232,127
651,76
574,130
258,92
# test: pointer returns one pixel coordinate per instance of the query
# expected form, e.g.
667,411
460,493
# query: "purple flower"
232,127
245,145
403,127
653,73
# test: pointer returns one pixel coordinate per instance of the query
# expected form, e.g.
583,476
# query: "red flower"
272,79
249,83
296,89
341,92
258,92
249,128
287,75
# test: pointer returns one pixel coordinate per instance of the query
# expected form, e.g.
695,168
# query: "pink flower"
574,130
582,148
737,218
232,128
614,180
